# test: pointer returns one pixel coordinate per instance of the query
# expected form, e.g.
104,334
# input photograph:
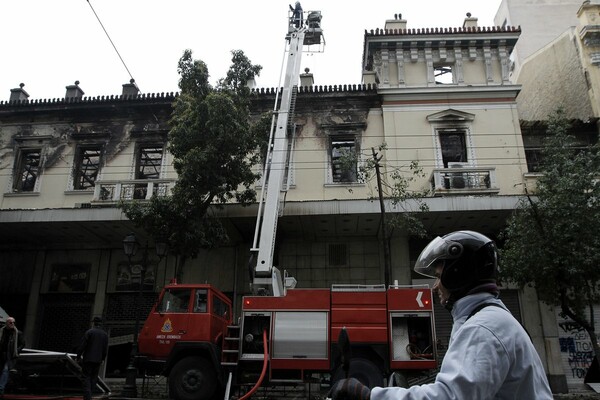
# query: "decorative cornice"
442,31
169,97
142,97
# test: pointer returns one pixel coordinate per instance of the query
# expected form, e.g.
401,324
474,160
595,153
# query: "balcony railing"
463,180
137,189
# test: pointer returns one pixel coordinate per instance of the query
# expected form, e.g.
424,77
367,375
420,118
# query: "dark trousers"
90,378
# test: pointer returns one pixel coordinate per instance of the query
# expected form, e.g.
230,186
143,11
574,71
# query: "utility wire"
121,58
111,42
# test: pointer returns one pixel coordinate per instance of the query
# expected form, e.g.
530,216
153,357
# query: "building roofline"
441,31
172,96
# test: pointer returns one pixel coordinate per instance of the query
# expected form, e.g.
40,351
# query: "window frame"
20,166
140,190
139,153
331,168
464,151
78,163
441,71
452,120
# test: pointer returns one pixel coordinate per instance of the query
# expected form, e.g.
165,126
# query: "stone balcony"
463,180
110,192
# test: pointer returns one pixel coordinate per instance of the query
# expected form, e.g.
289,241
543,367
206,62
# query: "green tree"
393,185
213,141
552,241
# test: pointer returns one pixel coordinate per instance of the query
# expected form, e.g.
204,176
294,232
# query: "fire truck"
285,335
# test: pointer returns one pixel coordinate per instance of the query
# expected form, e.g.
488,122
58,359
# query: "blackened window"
454,146
343,159
27,171
147,166
87,166
149,161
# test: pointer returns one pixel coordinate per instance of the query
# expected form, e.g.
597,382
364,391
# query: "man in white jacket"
490,355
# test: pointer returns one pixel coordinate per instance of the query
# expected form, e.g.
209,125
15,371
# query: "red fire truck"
285,335
189,336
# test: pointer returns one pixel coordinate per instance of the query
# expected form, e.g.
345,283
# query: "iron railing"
136,189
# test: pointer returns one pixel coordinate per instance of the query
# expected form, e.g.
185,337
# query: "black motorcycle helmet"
470,260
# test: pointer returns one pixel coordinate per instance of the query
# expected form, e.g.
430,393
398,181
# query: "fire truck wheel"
192,378
363,370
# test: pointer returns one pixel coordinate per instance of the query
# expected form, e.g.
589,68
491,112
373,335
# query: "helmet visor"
437,249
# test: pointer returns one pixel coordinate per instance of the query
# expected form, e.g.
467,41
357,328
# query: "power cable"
111,42
121,58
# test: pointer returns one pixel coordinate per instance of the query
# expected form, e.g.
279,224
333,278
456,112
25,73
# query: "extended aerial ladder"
266,278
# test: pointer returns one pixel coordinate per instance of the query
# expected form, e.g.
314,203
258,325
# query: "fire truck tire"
363,370
192,378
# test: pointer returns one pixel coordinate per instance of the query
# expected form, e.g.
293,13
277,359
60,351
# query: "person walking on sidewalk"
11,344
90,354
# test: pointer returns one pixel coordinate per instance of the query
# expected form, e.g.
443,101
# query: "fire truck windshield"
174,301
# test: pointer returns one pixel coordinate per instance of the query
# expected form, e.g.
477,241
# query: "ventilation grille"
338,254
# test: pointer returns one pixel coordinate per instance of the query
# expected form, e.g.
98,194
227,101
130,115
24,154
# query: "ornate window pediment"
450,116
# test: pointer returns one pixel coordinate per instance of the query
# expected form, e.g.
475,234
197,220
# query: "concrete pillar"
540,322
400,256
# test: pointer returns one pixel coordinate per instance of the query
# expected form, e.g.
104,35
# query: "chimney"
130,90
396,23
74,91
370,78
588,13
470,22
18,94
307,79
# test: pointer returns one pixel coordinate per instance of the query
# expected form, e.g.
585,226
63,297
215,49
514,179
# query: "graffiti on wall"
576,349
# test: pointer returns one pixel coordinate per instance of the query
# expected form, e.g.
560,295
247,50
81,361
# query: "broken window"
148,162
87,167
344,159
453,145
147,166
454,155
443,74
27,171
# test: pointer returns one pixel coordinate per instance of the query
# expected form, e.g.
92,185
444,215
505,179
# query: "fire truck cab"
183,336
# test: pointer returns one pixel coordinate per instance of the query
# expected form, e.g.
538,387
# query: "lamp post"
130,247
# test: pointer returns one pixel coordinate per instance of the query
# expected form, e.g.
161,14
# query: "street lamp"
130,247
162,248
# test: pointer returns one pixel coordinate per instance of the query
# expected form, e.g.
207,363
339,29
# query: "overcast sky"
49,44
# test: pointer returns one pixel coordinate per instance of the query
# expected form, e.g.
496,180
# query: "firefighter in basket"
490,355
